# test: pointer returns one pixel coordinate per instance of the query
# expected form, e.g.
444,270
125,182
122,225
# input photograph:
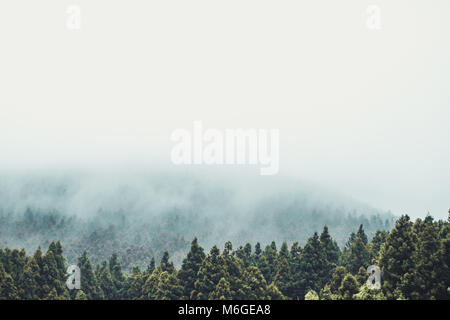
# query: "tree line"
414,260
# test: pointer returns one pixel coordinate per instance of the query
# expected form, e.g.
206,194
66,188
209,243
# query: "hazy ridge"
140,215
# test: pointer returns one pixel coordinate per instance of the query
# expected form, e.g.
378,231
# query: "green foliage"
284,279
209,275
396,256
367,294
311,295
314,268
349,287
80,295
190,267
222,291
89,283
8,290
414,259
357,254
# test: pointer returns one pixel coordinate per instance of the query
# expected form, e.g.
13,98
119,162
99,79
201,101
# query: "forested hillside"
414,258
139,218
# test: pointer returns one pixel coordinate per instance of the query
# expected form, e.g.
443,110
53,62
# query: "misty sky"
361,111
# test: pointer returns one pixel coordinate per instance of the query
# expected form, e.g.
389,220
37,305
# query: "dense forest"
414,259
139,218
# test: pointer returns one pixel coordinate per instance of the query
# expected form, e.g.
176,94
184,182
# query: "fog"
361,113
139,214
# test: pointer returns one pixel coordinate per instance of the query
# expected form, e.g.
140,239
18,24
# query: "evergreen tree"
358,255
423,281
162,285
8,290
151,266
274,293
378,240
106,282
255,285
396,256
234,270
89,282
133,285
295,254
362,235
117,276
52,276
222,291
337,277
349,287
29,284
283,278
268,262
313,266
209,275
330,247
245,254
190,267
165,264
257,255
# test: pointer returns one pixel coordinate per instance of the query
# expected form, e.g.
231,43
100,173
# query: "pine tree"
357,255
274,293
362,276
362,235
89,282
222,291
349,287
313,266
336,279
8,290
283,278
245,254
396,256
51,276
330,247
234,270
295,254
13,261
162,285
133,285
423,280
378,240
255,285
151,266
257,254
209,275
169,287
29,284
190,267
106,282
57,250
117,276
268,262
165,264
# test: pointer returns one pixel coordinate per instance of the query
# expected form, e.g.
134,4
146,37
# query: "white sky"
364,112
